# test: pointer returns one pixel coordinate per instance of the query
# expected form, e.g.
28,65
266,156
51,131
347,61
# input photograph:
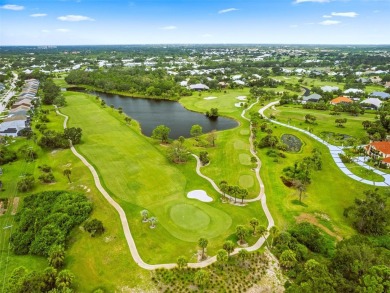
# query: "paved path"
334,152
125,225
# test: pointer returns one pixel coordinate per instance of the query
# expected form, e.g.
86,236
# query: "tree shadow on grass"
299,203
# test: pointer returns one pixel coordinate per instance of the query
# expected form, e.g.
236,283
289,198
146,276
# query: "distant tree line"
137,80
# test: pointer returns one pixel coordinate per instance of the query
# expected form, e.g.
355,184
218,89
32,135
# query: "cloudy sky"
78,22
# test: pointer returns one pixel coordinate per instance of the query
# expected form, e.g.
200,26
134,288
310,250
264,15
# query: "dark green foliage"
156,83
50,92
370,215
204,157
52,140
94,227
26,183
310,236
46,219
45,168
161,132
213,113
7,155
74,134
47,177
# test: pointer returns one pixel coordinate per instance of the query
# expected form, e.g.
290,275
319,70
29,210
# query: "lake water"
151,113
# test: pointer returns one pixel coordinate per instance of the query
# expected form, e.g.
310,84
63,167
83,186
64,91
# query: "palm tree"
228,246
273,232
67,173
201,278
64,279
263,232
241,232
243,254
223,186
254,223
288,259
56,256
153,221
182,262
243,194
144,214
222,257
202,242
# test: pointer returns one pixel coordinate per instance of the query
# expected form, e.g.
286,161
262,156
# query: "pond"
293,143
151,113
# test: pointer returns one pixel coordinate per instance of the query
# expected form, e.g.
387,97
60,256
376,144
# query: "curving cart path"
125,225
334,151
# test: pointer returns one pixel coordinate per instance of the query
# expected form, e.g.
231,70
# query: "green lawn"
329,192
135,170
325,123
364,173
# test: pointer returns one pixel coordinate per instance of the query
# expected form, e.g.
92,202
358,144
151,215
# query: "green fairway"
189,217
245,159
136,172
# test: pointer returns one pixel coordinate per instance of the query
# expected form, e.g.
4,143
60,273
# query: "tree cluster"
46,219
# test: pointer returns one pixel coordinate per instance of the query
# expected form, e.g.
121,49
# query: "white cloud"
12,7
327,16
345,14
169,27
329,22
74,18
227,10
62,30
317,1
38,14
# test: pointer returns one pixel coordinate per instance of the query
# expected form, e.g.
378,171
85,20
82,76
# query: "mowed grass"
102,262
295,115
135,170
364,173
230,158
329,193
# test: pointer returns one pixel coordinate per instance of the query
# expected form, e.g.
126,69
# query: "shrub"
94,227
26,183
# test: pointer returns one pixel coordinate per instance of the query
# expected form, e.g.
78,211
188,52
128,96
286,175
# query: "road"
8,95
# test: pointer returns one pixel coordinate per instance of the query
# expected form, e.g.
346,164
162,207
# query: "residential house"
329,89
199,87
381,95
380,150
371,103
387,85
376,79
12,128
353,91
314,98
340,99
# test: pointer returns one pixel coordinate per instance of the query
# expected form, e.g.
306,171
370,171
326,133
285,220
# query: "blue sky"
79,22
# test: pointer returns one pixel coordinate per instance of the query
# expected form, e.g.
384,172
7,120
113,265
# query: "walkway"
125,225
335,151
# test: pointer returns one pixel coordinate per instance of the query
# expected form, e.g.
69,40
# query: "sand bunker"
199,195
238,105
241,98
210,98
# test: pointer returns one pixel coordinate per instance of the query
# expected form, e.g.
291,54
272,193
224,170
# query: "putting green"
246,181
189,217
240,145
245,159
244,132
189,222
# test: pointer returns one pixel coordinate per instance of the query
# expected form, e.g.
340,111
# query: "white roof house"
372,101
11,128
199,87
353,91
328,88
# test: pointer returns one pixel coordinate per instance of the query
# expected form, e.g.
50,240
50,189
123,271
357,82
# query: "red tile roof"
341,99
386,160
382,146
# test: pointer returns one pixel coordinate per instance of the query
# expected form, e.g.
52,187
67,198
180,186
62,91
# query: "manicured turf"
246,181
189,217
245,159
364,173
295,115
134,169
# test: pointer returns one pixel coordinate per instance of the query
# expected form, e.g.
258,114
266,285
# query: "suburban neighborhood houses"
18,117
